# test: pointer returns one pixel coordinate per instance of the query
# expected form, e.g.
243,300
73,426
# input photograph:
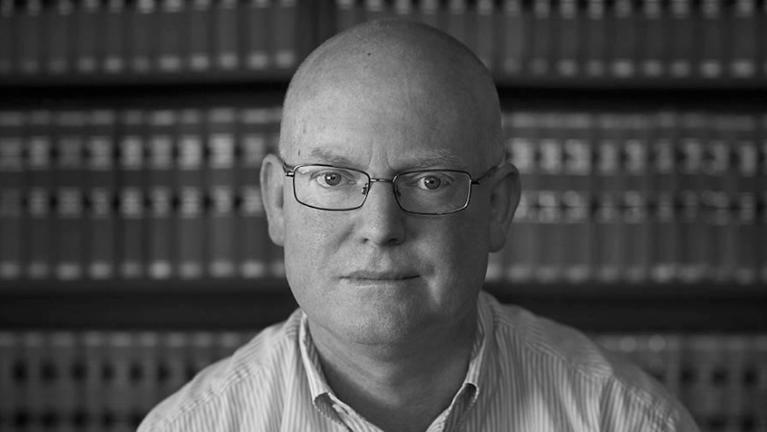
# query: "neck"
402,386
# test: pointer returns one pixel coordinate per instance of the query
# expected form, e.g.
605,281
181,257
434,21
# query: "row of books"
174,193
620,39
571,39
95,381
107,381
64,38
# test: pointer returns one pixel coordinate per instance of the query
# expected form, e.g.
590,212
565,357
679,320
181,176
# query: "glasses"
422,192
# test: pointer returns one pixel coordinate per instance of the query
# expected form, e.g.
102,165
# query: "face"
378,275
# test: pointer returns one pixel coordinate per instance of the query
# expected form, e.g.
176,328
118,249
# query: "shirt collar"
478,379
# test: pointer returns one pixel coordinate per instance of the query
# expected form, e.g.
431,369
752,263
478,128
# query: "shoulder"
252,376
575,368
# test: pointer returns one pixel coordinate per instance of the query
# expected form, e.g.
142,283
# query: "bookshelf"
127,158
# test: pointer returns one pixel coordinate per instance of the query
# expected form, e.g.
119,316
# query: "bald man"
388,193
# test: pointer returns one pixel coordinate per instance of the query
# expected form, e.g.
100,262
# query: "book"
96,371
39,169
189,172
161,193
12,182
653,25
8,28
285,13
515,30
101,191
625,38
63,386
141,26
88,48
595,40
115,378
221,187
29,54
226,45
145,361
662,140
197,55
170,34
542,34
252,145
713,45
70,239
131,195
60,21
691,230
609,226
743,47
114,39
258,35
9,382
634,198
567,50
682,39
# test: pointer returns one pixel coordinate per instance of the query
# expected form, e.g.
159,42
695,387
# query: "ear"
504,197
272,189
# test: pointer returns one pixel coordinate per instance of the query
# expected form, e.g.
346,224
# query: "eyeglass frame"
290,171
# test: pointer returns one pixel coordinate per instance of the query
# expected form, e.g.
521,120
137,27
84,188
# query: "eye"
330,178
432,181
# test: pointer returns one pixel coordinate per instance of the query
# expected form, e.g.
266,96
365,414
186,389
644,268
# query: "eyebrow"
438,158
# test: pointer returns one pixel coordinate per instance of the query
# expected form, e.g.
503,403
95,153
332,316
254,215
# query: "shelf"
239,304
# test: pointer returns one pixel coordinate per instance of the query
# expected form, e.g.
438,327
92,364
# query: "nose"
381,221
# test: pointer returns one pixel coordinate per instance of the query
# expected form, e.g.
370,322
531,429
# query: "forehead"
356,127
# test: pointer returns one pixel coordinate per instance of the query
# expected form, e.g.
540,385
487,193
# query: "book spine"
609,224
60,360
521,129
119,391
252,146
226,40
197,56
101,195
8,31
682,42
95,371
285,19
141,26
169,31
39,167
746,191
568,55
542,34
114,39
664,184
70,222
9,381
635,160
550,167
595,39
258,36
692,238
653,28
712,62
60,20
145,370
514,29
34,373
743,46
89,18
190,224
577,197
173,367
161,239
132,194
30,41
624,34
221,192
12,181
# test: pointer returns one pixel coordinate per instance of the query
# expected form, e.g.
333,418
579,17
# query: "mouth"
379,276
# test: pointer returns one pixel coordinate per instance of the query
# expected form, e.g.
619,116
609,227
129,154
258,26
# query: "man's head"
387,97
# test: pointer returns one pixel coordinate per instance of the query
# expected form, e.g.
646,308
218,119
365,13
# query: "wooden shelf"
241,304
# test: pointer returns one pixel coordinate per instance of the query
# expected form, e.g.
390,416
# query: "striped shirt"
526,373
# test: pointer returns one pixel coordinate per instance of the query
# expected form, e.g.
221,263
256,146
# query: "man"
389,192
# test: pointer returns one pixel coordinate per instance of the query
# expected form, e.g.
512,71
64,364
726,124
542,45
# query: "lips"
382,275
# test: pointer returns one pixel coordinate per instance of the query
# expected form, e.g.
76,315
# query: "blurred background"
133,245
